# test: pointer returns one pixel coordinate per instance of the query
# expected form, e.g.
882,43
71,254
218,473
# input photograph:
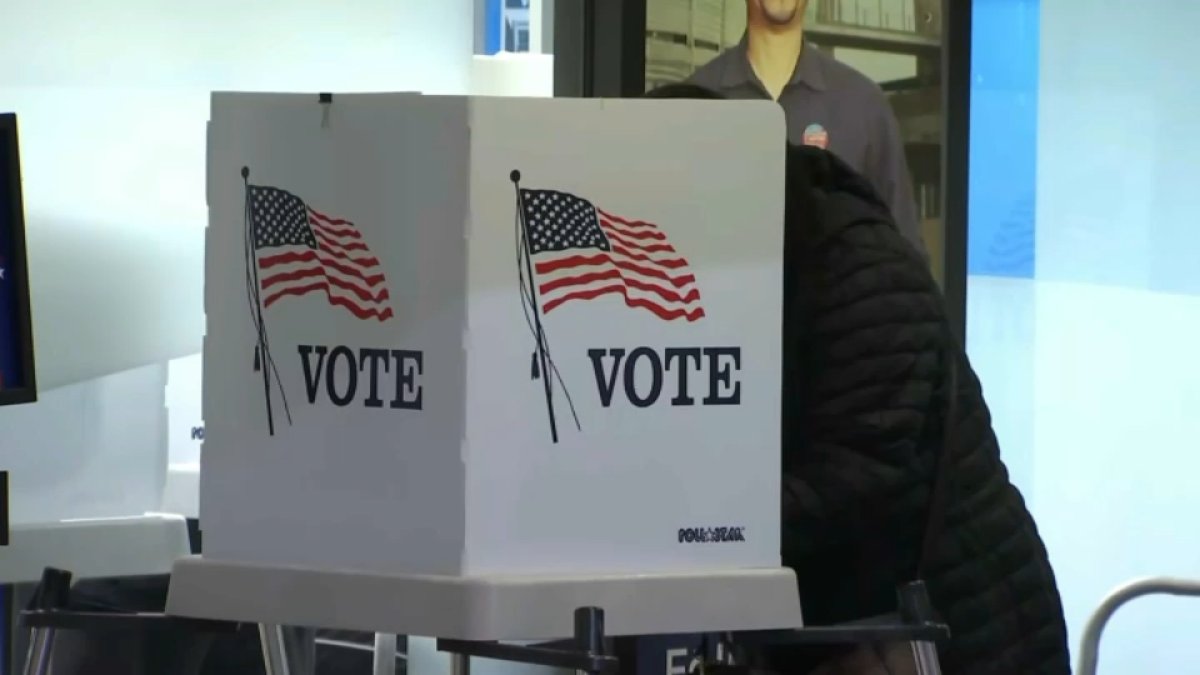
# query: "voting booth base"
572,619
569,619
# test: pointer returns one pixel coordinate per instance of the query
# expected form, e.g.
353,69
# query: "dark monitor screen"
17,382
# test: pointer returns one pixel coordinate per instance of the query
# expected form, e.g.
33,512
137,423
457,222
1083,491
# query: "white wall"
112,99
512,74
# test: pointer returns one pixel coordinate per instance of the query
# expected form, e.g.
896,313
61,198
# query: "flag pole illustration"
539,335
260,348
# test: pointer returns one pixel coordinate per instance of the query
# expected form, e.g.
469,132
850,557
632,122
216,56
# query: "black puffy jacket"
866,343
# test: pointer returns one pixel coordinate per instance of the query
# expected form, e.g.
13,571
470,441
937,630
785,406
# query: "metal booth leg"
384,662
916,608
460,664
41,644
300,650
270,637
926,658
585,653
52,593
287,650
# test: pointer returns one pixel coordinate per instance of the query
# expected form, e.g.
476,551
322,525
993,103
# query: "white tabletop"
103,547
484,608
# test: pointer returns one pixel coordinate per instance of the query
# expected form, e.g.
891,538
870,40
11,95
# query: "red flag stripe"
350,271
636,235
661,312
331,221
355,309
691,296
334,232
292,256
574,261
309,272
345,247
584,277
616,238
669,263
625,221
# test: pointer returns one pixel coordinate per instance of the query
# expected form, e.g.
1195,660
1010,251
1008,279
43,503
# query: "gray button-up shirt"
829,104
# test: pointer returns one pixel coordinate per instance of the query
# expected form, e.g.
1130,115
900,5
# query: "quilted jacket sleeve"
866,364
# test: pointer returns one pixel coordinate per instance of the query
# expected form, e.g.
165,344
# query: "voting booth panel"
474,336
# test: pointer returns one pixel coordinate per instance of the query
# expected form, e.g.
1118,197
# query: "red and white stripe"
642,267
343,268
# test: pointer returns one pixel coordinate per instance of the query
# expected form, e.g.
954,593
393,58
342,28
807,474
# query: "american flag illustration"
581,252
300,250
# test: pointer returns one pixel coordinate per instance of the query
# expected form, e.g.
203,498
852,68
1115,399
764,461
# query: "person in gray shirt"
827,103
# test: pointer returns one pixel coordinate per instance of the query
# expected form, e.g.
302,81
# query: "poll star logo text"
712,535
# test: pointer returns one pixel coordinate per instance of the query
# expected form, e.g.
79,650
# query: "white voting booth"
473,363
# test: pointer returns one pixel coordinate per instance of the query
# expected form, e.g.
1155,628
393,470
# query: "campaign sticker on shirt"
816,136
